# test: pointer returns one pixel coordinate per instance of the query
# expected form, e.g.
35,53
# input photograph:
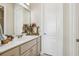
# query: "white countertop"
15,42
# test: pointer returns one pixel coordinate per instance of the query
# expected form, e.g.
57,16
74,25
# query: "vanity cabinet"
30,48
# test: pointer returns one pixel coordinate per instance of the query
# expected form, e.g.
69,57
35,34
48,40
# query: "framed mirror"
1,19
12,18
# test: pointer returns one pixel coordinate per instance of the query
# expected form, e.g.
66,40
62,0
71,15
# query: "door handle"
77,40
44,33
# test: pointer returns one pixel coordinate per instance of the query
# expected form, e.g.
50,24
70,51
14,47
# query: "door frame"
72,29
60,30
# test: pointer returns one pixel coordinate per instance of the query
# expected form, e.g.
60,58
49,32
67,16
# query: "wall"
35,13
8,18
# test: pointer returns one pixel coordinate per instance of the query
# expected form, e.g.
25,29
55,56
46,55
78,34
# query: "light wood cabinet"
28,53
12,52
38,48
31,48
34,50
27,46
31,52
38,45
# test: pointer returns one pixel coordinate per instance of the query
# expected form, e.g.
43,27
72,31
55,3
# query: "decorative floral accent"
33,25
31,29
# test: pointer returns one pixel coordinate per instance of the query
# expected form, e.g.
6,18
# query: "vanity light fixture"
25,6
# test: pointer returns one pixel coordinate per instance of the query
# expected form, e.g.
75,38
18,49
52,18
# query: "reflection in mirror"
21,17
1,20
26,16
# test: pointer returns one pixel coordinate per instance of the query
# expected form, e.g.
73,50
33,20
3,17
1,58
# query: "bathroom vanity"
15,15
24,46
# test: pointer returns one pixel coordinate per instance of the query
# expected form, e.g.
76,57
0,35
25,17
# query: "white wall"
35,13
8,18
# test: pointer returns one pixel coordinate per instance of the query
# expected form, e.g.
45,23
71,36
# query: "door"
50,41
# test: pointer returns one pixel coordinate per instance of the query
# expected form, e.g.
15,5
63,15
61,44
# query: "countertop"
16,42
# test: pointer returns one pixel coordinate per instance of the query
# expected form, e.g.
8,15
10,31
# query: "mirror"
12,18
21,17
26,16
1,19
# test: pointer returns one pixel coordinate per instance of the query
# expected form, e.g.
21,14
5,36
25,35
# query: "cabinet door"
28,53
31,52
27,46
12,52
34,50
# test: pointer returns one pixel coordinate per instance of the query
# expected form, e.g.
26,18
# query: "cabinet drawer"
12,52
27,46
31,52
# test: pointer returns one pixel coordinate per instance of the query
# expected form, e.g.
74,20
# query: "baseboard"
45,54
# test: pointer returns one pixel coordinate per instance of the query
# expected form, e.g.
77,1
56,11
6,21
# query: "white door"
50,40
